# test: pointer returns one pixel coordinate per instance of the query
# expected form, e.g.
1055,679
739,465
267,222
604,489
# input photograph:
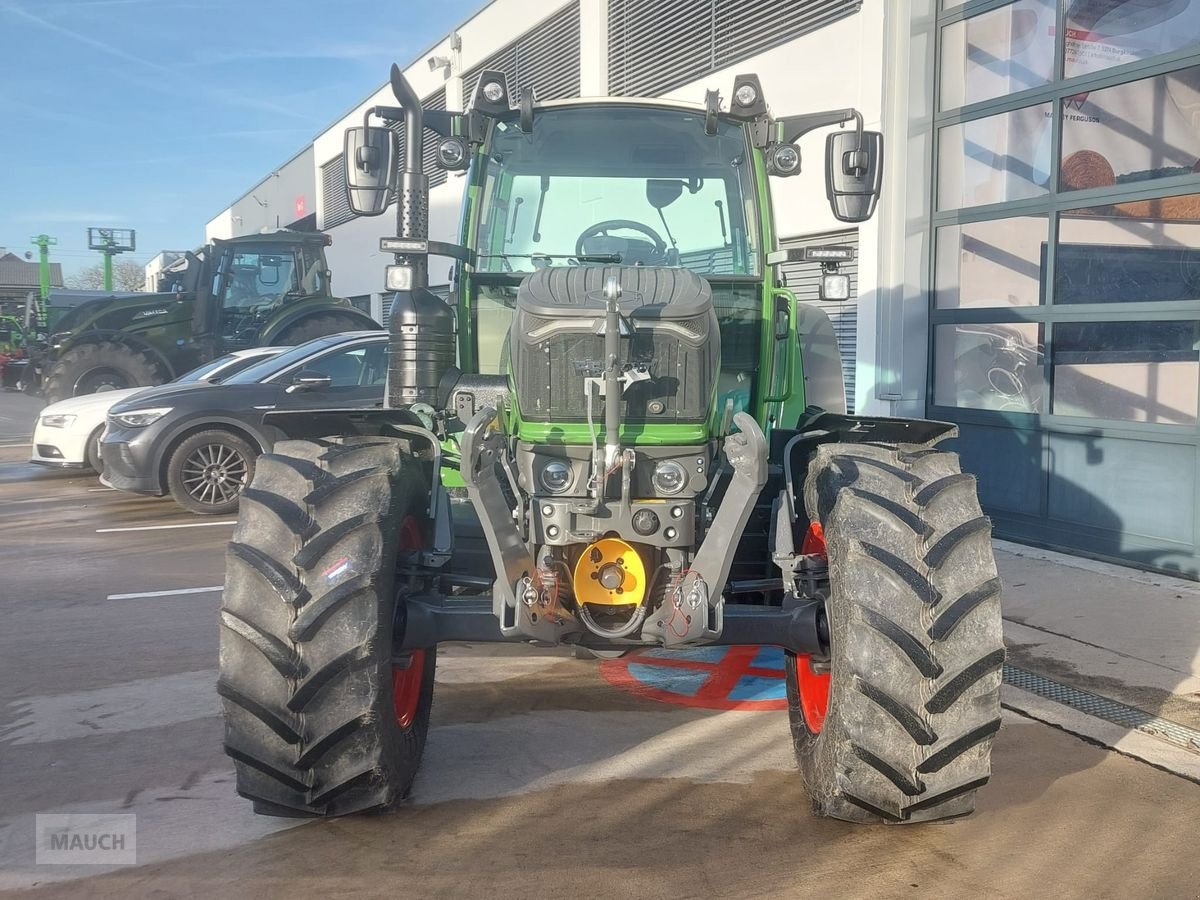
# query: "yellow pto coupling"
610,573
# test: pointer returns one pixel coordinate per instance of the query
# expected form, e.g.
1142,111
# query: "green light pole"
43,242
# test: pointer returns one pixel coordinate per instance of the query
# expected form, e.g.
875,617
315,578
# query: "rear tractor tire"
897,725
321,717
101,366
315,327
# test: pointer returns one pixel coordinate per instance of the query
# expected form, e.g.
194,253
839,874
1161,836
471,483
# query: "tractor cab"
245,282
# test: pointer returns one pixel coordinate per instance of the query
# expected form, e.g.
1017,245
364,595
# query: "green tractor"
650,436
249,291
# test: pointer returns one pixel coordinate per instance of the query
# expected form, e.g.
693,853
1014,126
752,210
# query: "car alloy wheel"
214,474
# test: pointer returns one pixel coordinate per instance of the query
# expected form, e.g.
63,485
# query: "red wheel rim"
406,687
814,693
406,679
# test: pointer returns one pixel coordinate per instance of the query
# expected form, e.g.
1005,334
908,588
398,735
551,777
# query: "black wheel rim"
99,380
214,474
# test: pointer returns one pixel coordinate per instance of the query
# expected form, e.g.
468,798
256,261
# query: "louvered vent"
804,280
335,207
657,45
436,100
546,58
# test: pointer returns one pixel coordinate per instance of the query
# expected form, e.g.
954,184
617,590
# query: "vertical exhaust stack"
421,324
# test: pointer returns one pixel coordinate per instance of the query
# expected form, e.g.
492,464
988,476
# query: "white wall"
220,227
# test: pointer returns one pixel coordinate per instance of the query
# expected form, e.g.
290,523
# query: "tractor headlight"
670,477
57,421
556,476
140,418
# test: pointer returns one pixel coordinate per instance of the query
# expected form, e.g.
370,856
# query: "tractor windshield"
618,184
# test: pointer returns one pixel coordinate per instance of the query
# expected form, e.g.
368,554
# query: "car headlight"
140,418
57,421
556,476
670,477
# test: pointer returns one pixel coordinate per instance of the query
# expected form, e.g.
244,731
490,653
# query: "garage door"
804,280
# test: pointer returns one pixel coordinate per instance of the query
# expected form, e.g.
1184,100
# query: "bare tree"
127,276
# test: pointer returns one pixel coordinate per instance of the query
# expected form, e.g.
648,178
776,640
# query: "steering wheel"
660,246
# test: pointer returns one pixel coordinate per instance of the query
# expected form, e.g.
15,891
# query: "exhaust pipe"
412,208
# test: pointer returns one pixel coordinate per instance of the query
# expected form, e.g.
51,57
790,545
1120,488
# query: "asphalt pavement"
544,776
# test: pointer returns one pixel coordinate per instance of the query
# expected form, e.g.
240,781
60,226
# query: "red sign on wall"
300,207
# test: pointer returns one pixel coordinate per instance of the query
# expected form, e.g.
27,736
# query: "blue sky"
156,114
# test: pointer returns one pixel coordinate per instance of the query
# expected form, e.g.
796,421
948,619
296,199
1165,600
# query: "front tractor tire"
321,718
897,725
100,366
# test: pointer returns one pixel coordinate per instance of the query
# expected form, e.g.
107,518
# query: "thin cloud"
170,72
332,51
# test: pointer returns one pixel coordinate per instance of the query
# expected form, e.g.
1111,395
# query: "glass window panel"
1142,251
992,366
1103,33
997,263
1132,132
997,158
1134,371
996,53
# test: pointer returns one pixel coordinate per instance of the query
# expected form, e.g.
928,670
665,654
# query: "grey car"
199,442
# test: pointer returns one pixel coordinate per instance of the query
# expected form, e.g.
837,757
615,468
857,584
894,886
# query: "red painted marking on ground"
712,694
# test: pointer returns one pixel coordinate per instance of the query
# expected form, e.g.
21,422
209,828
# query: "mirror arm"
791,128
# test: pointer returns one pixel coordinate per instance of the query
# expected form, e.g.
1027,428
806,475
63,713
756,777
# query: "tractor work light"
491,93
748,102
452,154
745,95
399,278
835,286
783,160
403,245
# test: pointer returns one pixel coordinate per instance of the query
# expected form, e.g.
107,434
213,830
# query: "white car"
67,434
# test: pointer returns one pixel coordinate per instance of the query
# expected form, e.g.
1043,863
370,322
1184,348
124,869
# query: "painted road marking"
175,593
128,706
99,490
742,677
160,527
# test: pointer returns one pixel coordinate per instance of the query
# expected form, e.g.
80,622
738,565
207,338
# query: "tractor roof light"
491,93
748,102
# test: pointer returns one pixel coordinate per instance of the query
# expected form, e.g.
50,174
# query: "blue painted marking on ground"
759,687
677,681
697,654
769,658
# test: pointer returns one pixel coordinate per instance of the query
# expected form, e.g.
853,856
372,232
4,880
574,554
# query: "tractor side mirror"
308,380
370,161
853,174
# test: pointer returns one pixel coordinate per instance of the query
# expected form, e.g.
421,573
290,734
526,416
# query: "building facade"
1031,273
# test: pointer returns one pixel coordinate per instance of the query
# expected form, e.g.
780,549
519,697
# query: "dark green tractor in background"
652,438
256,290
